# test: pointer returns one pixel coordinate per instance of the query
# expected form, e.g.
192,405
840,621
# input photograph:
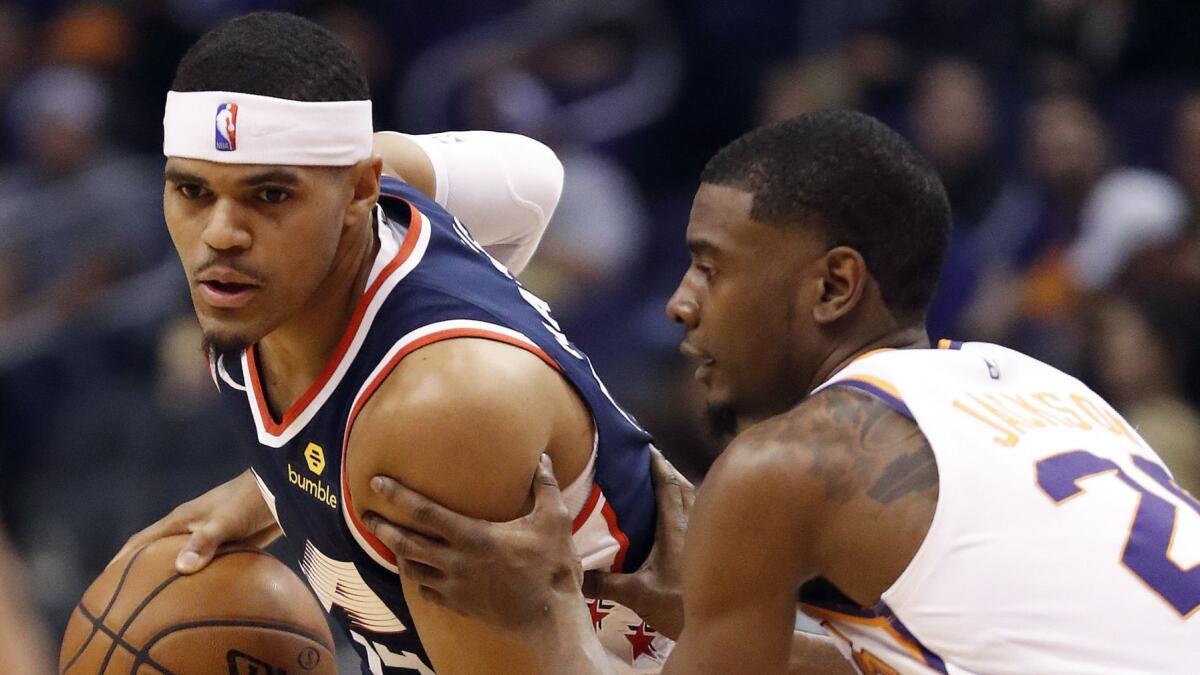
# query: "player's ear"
844,279
364,178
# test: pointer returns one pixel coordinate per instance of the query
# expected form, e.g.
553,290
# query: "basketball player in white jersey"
942,508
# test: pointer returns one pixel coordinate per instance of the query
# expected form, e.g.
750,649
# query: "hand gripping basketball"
231,513
246,613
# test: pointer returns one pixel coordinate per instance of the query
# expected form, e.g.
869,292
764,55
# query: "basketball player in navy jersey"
359,325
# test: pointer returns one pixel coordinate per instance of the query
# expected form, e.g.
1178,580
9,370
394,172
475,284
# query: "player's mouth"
704,370
226,289
225,295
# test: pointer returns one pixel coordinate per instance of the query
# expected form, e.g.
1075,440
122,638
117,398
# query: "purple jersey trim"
835,601
891,401
931,659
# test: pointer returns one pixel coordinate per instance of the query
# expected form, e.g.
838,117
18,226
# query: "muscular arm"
750,546
464,422
840,487
504,187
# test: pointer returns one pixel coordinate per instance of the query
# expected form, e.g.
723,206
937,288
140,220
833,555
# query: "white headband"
233,128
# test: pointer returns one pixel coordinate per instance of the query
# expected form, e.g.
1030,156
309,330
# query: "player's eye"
706,270
274,195
191,191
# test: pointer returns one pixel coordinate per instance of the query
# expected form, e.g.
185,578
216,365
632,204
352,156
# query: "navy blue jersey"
430,281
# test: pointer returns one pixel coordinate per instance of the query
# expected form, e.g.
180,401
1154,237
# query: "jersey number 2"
1153,525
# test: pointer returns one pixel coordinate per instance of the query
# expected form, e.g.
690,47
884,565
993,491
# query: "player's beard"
225,343
722,420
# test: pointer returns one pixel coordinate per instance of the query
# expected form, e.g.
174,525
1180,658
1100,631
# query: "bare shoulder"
849,442
858,479
462,421
841,441
483,376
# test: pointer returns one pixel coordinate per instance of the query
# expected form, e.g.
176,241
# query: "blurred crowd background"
1067,133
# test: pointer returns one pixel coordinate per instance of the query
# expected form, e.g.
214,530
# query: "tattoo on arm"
915,471
859,446
885,433
856,434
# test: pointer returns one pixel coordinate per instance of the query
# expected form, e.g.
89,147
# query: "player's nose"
682,307
224,230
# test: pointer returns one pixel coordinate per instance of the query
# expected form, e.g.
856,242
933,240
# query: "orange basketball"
244,613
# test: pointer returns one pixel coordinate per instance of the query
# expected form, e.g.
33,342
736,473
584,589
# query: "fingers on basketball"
245,613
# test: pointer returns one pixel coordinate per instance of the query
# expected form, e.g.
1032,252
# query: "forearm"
253,503
816,655
566,641
404,158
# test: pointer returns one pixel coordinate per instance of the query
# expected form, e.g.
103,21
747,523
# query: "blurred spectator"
1186,164
77,214
15,52
809,85
1138,365
1068,233
1073,41
90,35
951,117
78,217
953,126
1171,270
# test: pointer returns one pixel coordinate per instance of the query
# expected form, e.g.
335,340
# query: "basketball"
244,613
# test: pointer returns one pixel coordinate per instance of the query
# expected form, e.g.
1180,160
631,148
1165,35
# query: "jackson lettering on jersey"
1059,543
431,281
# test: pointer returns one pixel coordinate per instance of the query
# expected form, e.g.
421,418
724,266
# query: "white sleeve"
503,187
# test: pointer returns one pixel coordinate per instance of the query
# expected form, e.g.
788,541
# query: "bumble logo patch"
315,457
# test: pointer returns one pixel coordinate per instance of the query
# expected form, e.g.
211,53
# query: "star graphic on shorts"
597,609
642,640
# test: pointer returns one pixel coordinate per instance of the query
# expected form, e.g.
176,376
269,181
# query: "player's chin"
225,341
227,334
718,387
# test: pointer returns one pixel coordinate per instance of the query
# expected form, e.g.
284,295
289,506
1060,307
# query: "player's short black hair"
858,182
273,54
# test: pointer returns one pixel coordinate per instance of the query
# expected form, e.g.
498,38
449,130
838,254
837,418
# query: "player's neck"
294,355
910,337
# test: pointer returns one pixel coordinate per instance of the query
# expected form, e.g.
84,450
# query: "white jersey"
1059,543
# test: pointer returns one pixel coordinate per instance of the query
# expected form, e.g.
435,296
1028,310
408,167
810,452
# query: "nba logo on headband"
227,127
273,130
